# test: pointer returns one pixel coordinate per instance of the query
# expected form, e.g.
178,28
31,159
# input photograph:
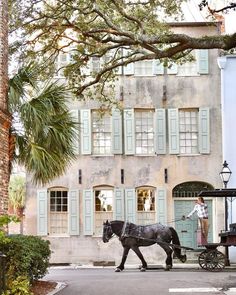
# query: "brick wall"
4,115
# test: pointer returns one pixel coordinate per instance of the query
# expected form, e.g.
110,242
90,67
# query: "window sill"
188,155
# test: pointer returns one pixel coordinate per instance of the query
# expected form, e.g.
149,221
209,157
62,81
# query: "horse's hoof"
142,268
183,258
168,267
117,269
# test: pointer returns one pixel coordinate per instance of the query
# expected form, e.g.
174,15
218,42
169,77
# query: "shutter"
88,208
203,64
73,212
129,132
116,132
118,212
42,213
129,68
75,115
173,69
85,116
161,206
157,67
130,205
173,124
204,131
160,131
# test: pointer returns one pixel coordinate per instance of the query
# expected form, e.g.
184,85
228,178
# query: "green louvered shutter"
73,212
85,116
118,213
130,205
204,131
42,213
129,132
116,132
161,206
157,67
173,124
88,211
160,131
75,115
203,63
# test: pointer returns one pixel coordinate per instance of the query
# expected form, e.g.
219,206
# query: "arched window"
104,206
58,211
146,205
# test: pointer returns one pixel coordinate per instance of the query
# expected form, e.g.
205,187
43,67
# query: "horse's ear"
107,222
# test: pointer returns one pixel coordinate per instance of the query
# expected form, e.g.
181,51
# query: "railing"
2,272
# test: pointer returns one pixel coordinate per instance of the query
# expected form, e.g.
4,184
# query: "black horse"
133,236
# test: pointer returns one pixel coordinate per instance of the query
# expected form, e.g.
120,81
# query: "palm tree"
17,191
43,128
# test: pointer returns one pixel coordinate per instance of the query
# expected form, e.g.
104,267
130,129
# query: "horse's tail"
177,250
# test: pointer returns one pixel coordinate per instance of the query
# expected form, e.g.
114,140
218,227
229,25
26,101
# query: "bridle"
107,232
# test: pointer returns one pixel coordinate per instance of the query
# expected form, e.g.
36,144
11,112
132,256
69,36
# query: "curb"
59,287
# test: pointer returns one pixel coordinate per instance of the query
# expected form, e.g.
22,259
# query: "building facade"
4,115
144,164
227,65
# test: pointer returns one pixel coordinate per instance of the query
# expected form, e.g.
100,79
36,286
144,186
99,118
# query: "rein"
176,220
158,241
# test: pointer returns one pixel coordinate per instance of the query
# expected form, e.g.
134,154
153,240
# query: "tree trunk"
5,118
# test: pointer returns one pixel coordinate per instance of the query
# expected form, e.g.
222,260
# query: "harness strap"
124,232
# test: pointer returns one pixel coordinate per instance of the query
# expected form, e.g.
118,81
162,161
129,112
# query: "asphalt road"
104,281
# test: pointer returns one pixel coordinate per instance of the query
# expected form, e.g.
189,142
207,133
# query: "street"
91,281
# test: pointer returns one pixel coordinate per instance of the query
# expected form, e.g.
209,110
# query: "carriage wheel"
202,259
212,260
215,260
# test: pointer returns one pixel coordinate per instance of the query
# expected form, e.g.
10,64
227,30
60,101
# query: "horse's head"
107,232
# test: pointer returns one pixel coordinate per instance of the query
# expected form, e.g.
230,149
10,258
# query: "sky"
230,22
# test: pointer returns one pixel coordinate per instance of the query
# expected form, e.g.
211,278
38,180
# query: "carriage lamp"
225,174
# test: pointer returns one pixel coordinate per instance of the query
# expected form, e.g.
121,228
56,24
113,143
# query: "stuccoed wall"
181,92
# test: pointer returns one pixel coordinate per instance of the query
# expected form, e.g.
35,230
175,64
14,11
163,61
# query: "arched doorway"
184,196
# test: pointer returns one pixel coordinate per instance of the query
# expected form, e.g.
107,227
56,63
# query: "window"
145,205
143,68
144,131
103,207
188,128
101,132
58,212
189,68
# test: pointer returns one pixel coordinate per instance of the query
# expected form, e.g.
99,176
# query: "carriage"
212,259
133,236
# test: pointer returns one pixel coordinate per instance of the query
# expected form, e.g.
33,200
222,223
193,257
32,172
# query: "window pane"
144,131
58,214
104,200
101,133
188,127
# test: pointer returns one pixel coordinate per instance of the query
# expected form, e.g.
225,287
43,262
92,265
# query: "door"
187,229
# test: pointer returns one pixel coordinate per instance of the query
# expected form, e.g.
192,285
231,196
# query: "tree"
17,191
43,128
120,31
223,8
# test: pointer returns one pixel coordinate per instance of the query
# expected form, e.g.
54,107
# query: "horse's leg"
124,257
168,251
140,256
